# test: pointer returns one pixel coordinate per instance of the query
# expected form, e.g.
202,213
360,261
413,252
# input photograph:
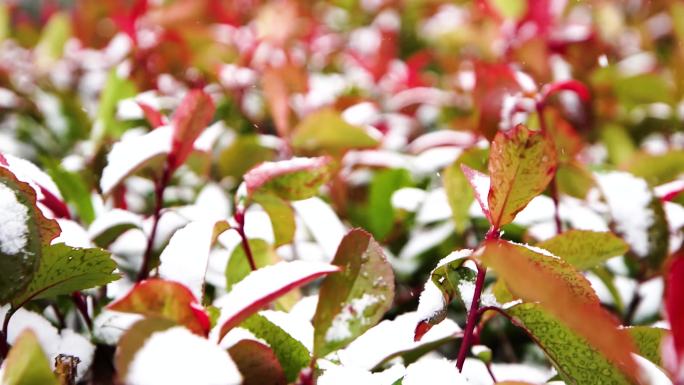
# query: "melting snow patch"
14,218
339,329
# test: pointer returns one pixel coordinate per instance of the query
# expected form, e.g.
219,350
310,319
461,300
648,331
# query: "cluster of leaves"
380,192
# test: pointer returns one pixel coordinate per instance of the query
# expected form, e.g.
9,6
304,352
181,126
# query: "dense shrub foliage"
341,192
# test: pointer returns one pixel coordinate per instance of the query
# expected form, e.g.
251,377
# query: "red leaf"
55,205
567,85
154,117
674,298
492,83
261,287
257,363
165,299
191,118
480,184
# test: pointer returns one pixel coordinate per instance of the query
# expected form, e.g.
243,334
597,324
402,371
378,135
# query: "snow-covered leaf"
521,164
439,370
260,288
27,364
354,300
257,363
107,227
165,299
537,276
585,249
292,355
450,279
325,132
480,184
191,118
293,179
238,265
186,257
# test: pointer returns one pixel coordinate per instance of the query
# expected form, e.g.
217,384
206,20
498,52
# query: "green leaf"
521,165
115,90
325,132
642,89
245,152
5,25
165,299
574,359
27,364
257,363
585,249
64,269
238,265
618,142
292,179
657,169
53,37
380,211
282,217
73,188
355,299
648,340
510,9
458,190
20,253
292,355
449,277
574,179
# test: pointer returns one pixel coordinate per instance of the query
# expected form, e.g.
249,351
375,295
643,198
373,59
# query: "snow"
431,301
442,138
454,256
161,361
408,198
650,373
109,325
266,171
14,217
30,173
423,239
131,153
480,183
342,375
111,219
263,283
299,328
440,371
628,199
186,257
389,338
305,308
339,329
73,234
477,374
323,223
435,207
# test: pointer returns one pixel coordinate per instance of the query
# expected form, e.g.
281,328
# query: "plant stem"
240,219
473,315
82,306
4,345
159,187
554,186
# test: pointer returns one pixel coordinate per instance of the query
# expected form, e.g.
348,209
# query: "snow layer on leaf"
74,344
343,375
325,226
435,207
14,218
299,328
73,234
455,255
177,356
476,373
440,371
110,325
113,218
389,338
431,301
423,239
650,372
305,308
628,198
186,257
408,198
261,284
131,153
266,171
31,174
339,329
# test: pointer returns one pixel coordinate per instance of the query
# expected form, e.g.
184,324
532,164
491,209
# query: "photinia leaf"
282,217
194,114
565,294
576,360
618,142
585,249
186,257
293,179
74,189
458,187
291,354
574,179
153,116
53,38
64,269
325,132
134,339
380,212
132,154
261,287
447,280
23,234
649,342
257,363
27,364
481,184
107,227
115,90
354,300
521,165
165,299
657,169
674,297
245,152
238,265
492,83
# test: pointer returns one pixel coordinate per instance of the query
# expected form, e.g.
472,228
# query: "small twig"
4,345
633,306
159,187
82,306
240,219
473,315
488,365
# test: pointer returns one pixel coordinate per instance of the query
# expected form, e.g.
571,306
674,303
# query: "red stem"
159,187
82,306
240,219
4,345
473,314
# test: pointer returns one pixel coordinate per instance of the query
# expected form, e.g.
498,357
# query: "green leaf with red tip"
20,256
292,179
165,299
27,364
282,217
191,118
64,269
521,164
585,249
354,300
325,132
257,363
565,294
